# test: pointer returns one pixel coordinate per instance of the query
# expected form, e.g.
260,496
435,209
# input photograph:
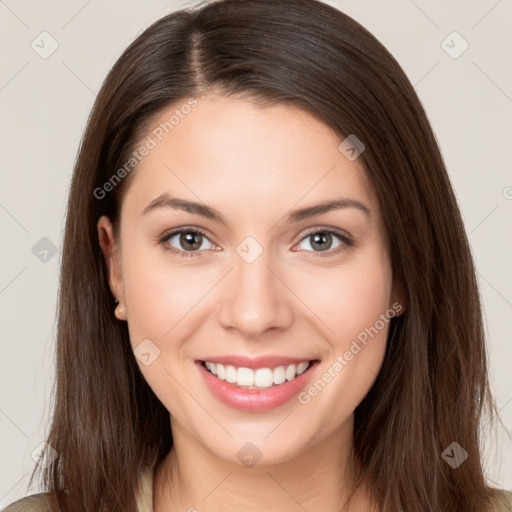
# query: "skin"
254,165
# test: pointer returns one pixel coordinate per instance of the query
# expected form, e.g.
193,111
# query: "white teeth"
230,374
260,378
302,367
279,375
291,371
221,371
263,378
245,377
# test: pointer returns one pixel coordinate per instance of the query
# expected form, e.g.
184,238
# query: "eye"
321,241
192,240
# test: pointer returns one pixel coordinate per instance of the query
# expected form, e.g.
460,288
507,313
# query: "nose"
255,298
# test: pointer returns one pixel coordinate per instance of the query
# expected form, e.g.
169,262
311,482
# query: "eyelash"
346,241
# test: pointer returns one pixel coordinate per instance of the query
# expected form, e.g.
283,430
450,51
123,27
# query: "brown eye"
185,241
191,240
322,241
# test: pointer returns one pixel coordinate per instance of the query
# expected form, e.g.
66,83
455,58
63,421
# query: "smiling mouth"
259,378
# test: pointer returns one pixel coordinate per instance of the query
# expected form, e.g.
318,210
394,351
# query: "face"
294,301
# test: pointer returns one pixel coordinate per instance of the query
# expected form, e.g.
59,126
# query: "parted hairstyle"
108,426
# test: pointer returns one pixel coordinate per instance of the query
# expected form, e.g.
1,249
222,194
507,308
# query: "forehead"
230,152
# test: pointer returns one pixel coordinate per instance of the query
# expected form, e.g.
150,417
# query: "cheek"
160,293
348,299
354,309
160,297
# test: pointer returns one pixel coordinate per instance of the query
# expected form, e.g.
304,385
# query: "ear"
111,254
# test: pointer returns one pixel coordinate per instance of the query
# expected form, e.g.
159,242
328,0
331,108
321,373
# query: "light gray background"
45,104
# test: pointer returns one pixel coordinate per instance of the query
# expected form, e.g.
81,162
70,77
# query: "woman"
267,296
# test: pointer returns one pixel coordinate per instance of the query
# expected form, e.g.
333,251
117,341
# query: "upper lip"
268,361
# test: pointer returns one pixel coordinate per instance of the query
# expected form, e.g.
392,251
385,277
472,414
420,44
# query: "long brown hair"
108,426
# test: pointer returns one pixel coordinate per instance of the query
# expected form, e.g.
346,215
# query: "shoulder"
502,501
41,502
46,502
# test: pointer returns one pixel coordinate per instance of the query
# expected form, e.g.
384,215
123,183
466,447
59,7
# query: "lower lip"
255,400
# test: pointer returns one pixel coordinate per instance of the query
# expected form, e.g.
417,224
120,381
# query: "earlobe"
119,312
111,254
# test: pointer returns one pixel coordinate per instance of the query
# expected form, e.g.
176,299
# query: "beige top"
41,503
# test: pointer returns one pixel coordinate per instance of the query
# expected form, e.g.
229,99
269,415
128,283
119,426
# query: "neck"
193,479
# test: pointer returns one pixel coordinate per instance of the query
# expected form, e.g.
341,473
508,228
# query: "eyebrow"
166,201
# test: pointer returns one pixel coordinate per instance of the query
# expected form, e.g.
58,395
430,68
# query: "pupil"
188,238
319,239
